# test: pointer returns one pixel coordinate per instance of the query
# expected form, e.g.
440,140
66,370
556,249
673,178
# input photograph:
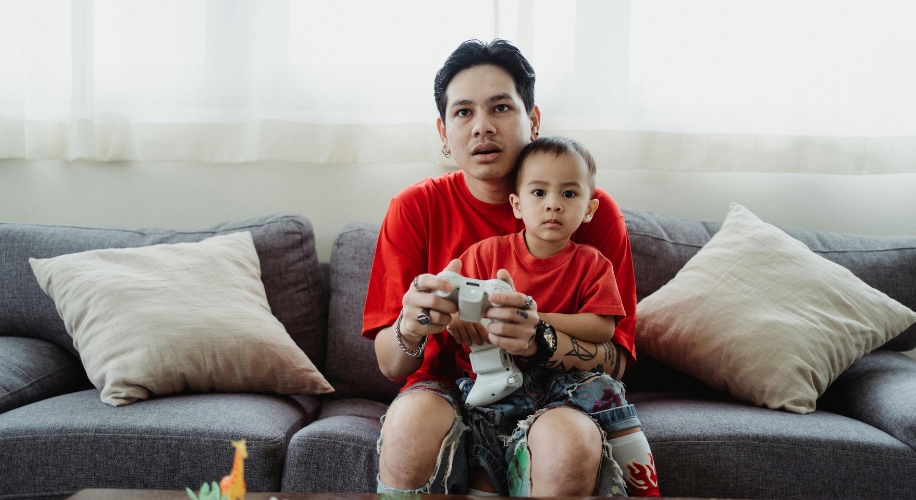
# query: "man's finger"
453,266
502,274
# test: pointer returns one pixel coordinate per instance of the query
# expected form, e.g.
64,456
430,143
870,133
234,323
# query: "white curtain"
704,85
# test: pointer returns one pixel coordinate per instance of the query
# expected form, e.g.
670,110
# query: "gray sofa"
57,437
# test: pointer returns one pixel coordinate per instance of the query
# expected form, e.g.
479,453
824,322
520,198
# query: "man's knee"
412,434
566,449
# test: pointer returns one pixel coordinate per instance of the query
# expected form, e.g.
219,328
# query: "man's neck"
495,192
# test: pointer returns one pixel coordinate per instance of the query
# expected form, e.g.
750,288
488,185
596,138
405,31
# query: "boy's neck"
540,249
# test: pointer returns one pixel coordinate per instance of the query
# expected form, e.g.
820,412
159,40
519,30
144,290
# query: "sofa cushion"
662,244
706,446
880,390
32,370
165,318
352,367
347,428
60,445
286,251
759,315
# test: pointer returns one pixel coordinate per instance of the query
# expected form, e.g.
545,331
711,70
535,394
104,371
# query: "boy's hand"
465,332
513,325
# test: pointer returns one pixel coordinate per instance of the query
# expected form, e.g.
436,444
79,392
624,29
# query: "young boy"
554,191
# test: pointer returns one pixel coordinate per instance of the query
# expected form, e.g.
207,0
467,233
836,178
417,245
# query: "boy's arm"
589,327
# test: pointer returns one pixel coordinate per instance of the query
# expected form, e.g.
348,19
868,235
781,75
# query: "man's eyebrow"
490,100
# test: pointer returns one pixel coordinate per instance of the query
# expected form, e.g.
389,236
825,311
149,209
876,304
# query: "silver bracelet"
418,352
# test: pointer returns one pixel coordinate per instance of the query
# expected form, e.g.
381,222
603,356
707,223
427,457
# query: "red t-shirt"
436,220
578,279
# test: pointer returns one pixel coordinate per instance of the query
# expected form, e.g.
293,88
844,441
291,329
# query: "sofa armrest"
878,390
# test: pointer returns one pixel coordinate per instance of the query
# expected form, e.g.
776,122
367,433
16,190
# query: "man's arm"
393,360
583,326
581,355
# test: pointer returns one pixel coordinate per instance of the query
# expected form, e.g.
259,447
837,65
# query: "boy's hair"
477,53
556,145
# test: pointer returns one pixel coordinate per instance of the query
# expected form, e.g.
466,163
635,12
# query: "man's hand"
513,326
419,299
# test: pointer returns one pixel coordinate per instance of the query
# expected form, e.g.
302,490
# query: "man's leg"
421,433
566,450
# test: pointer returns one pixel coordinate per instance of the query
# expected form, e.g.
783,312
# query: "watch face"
550,337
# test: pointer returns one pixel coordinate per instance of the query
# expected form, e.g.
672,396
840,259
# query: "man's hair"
474,52
556,146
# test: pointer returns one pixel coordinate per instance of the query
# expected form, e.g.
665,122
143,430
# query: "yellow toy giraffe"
233,485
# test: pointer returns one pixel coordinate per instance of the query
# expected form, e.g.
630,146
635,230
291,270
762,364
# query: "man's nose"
483,125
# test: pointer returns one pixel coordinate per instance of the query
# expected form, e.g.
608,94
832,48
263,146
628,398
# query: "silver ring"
449,329
423,319
529,303
416,285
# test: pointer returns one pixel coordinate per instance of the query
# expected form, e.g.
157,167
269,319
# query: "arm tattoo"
616,374
581,350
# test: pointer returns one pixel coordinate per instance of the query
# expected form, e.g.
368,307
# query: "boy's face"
553,200
486,125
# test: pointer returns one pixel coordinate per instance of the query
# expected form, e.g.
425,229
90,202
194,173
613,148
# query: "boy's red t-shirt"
578,279
436,220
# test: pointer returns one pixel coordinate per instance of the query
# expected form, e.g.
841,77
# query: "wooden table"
105,494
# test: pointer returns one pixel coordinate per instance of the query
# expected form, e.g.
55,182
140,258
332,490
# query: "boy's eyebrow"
490,100
562,184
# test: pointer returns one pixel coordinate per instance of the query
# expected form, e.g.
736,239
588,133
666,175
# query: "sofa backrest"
660,245
352,367
286,249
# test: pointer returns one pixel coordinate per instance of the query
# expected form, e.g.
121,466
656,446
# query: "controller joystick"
497,375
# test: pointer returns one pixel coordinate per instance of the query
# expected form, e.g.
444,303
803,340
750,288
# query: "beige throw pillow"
757,314
167,318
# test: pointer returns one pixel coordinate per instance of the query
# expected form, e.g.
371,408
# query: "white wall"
185,195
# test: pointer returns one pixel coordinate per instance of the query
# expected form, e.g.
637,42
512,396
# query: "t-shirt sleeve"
598,292
399,258
608,233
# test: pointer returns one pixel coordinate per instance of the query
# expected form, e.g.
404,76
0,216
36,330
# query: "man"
485,96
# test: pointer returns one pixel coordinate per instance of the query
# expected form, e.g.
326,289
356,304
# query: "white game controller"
497,375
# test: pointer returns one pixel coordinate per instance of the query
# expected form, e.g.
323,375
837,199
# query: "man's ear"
514,201
440,126
590,211
535,122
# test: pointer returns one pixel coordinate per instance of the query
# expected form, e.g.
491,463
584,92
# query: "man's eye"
569,194
538,192
463,112
501,108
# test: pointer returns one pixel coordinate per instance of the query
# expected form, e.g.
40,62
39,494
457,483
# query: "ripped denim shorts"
494,437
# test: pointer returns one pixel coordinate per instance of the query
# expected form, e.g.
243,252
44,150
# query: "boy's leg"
423,434
631,451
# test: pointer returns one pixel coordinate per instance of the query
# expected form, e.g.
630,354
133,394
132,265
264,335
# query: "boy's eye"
539,192
569,194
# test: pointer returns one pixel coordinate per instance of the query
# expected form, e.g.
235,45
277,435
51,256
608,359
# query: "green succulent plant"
207,492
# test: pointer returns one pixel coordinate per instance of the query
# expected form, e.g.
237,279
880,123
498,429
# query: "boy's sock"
633,455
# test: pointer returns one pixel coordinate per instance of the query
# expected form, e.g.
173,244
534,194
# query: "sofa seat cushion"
32,370
346,432
709,446
60,445
285,245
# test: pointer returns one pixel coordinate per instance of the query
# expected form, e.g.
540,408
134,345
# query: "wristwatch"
545,338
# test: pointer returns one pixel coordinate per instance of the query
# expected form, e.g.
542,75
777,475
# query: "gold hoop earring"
446,153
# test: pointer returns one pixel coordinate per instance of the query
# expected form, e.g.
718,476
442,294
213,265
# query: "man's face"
486,125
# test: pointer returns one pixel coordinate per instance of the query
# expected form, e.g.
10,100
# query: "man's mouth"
486,152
